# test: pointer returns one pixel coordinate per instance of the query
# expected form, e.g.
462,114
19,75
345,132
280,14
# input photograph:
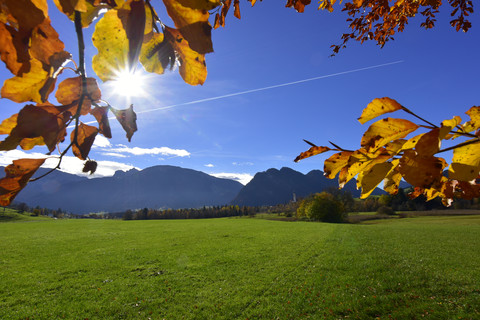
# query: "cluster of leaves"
129,32
377,20
385,155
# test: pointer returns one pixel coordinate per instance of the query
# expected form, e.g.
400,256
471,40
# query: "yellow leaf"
34,85
157,54
335,163
368,180
8,124
311,152
383,131
70,89
474,113
421,171
393,178
361,161
193,68
465,164
111,41
379,107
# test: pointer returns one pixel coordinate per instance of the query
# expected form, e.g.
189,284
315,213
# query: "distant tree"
128,215
322,207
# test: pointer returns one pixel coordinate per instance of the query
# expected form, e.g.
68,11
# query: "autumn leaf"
360,161
192,64
369,179
128,120
133,19
157,55
100,113
335,163
299,5
392,180
35,122
69,92
17,176
34,85
383,131
88,11
14,48
421,171
311,152
191,19
28,13
111,41
429,143
44,42
84,140
379,107
465,164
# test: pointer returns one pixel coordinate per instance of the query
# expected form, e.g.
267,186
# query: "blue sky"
434,73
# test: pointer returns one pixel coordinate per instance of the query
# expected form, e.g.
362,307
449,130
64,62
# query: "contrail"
262,89
270,87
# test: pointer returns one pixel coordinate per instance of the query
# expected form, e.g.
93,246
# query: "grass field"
427,267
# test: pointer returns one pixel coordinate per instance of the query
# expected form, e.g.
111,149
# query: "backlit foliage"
129,32
386,154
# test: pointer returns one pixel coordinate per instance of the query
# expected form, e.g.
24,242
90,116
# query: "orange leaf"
236,5
379,107
17,176
14,48
44,42
383,131
33,122
191,19
100,113
28,13
429,143
311,152
128,120
70,90
299,5
85,138
421,171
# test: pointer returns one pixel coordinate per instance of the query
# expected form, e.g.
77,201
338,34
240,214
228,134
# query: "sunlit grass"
240,268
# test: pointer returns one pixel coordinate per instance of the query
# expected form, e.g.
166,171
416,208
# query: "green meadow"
240,268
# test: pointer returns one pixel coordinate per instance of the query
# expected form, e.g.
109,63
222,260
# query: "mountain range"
170,187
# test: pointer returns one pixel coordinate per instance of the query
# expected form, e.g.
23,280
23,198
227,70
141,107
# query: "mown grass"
425,267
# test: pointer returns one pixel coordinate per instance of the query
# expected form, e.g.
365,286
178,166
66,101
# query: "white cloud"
69,164
209,165
248,163
165,151
243,178
111,154
101,142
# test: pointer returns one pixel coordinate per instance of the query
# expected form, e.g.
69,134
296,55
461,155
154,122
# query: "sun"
129,83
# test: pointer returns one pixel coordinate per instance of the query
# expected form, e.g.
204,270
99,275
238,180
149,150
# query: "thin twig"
339,148
463,144
418,117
